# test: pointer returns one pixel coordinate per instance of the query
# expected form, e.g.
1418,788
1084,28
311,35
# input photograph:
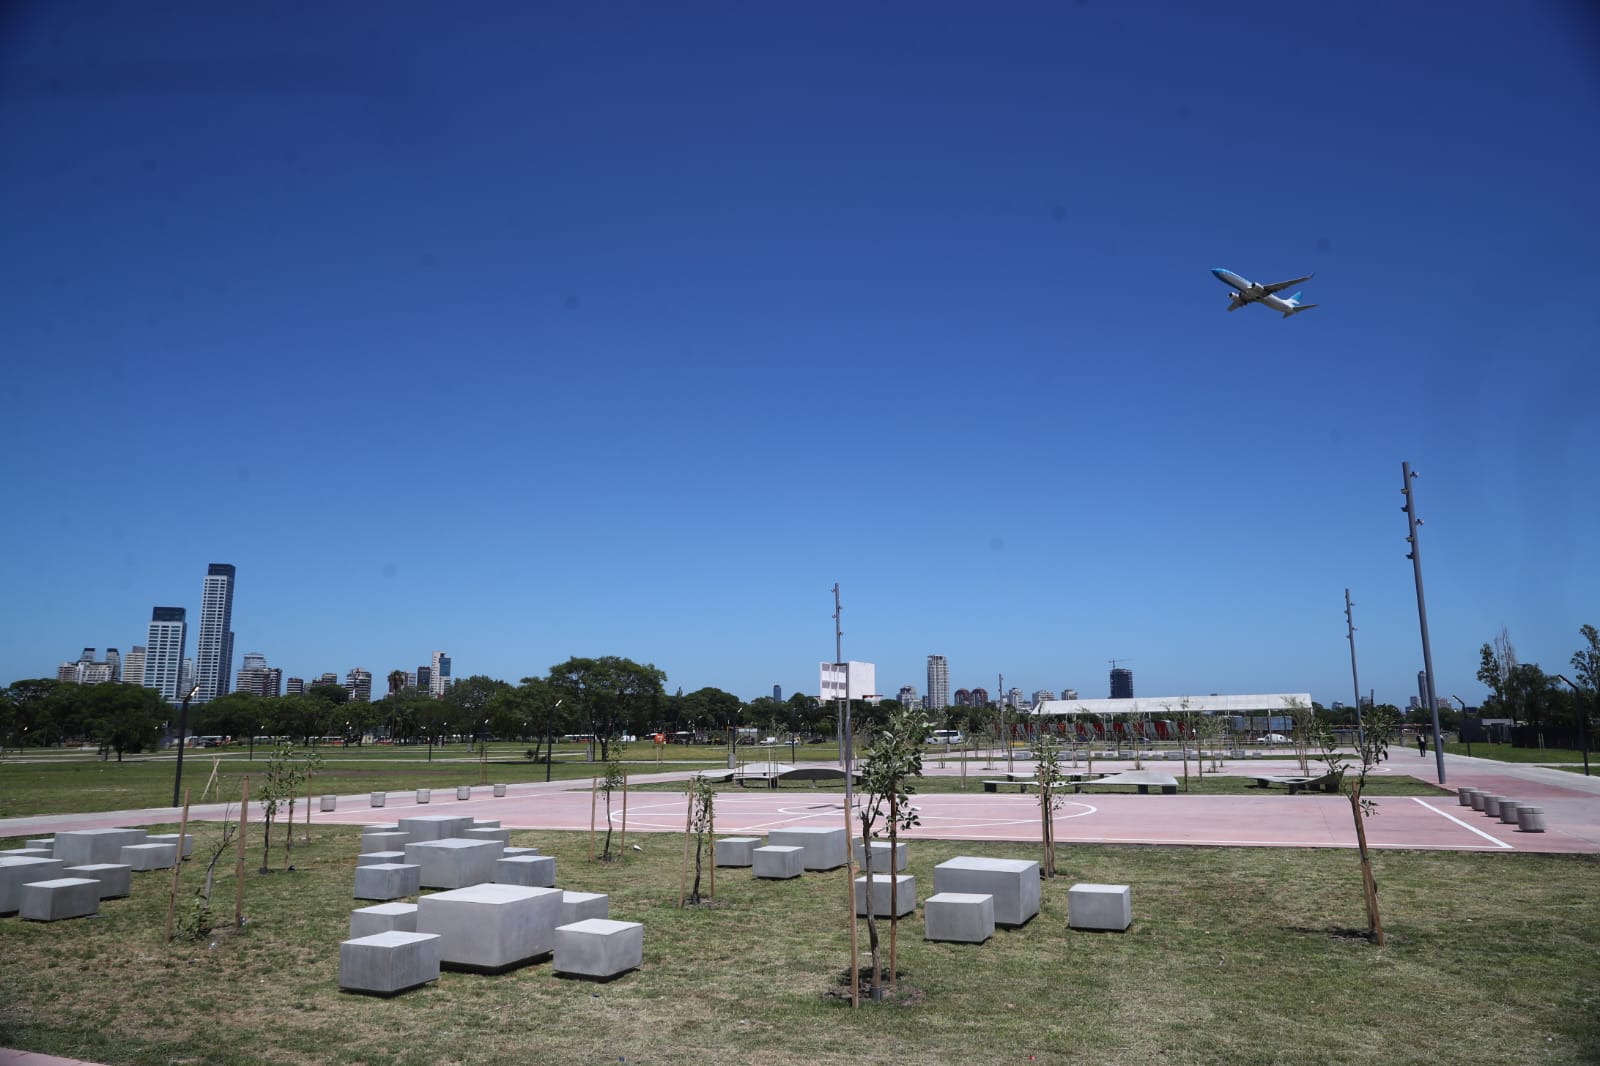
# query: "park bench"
1142,780
1317,783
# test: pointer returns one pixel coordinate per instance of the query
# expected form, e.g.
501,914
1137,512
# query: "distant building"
358,683
1121,683
164,648
294,686
979,697
852,680
114,661
908,698
411,679
1042,695
328,677
962,698
133,666
424,681
214,647
186,678
938,683
1069,693
777,693
257,678
1014,699
439,675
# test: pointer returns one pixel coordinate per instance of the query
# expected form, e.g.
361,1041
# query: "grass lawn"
1507,753
1235,955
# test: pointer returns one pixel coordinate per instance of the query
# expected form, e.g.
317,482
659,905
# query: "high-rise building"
327,677
214,647
164,647
411,679
114,661
1069,693
133,666
424,680
908,698
1121,683
72,673
294,686
358,683
186,678
1042,695
938,683
961,698
777,693
979,697
257,678
439,674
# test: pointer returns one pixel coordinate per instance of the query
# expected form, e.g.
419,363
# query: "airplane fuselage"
1249,292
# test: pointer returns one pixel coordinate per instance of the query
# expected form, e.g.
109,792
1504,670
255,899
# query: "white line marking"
1494,840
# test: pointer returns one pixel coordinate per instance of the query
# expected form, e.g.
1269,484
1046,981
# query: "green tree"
397,681
29,703
615,778
469,700
237,714
609,692
1372,747
703,800
890,764
124,718
1047,771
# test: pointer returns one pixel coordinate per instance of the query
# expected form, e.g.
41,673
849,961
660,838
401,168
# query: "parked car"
945,736
1272,738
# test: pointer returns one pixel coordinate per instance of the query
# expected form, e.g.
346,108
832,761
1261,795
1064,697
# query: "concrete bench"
1464,796
48,843
499,836
383,918
580,906
387,881
1142,780
532,871
146,857
599,947
880,856
116,878
14,873
904,891
386,963
510,853
779,862
959,917
825,849
79,847
1478,798
58,898
1491,805
485,823
393,840
1014,884
435,826
455,862
491,927
736,851
1107,907
28,853
996,786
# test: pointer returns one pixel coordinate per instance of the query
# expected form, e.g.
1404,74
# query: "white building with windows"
214,646
163,651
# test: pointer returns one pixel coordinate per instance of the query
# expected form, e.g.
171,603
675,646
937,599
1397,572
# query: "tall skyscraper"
777,693
114,660
164,647
1121,684
133,666
424,682
358,683
257,678
214,647
295,686
938,683
439,676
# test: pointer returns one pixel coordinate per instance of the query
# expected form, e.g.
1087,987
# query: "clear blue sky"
527,331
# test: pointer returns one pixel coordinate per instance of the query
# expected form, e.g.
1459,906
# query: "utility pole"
1004,703
1350,634
1415,555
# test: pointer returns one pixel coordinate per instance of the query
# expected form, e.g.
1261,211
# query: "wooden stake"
622,842
172,896
850,888
711,831
594,795
308,808
238,867
688,823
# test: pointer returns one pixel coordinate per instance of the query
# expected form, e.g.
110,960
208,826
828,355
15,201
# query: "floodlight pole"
1350,634
1415,555
183,727
550,738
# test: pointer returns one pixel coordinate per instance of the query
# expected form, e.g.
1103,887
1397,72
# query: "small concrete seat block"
330,803
513,852
373,858
1530,819
61,897
499,791
826,849
1100,907
599,947
150,856
581,906
1478,796
1491,805
532,871
779,862
116,878
736,851
42,842
388,840
501,836
28,853
172,838
383,918
378,798
424,795
1508,811
386,963
880,856
1464,796
485,823
387,881
463,792
1014,884
491,927
79,847
454,862
904,893
14,873
962,917
435,826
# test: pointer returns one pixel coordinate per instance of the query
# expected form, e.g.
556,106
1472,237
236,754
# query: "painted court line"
1496,841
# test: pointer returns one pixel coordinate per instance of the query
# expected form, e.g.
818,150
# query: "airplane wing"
1279,285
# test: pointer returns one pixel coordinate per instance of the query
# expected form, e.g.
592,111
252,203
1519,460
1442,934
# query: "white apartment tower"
938,683
439,679
163,655
214,647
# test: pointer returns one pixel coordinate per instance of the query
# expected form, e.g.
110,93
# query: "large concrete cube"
116,878
532,871
1014,884
825,849
1100,907
172,838
373,858
486,823
453,862
58,898
580,906
28,853
779,862
391,840
150,856
511,852
491,927
961,917
599,947
435,826
14,873
79,847
383,918
387,881
903,889
880,856
736,851
386,963
48,843
503,836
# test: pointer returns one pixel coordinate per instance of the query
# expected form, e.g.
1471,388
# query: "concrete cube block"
383,918
386,963
500,836
825,849
435,826
485,823
424,795
962,917
378,798
79,847
144,857
1530,819
736,851
14,873
1014,884
393,840
513,852
58,898
532,871
491,927
779,862
1107,907
28,853
330,803
116,878
454,862
172,838
578,906
599,947
903,889
880,856
463,792
387,880
373,858
42,842
499,791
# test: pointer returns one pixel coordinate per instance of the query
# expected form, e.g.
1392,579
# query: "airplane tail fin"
1295,310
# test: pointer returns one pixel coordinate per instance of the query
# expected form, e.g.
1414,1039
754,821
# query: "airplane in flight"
1249,292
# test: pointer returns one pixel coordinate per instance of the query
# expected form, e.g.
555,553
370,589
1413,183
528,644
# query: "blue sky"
530,331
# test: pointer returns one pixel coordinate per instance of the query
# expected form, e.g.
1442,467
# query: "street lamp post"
183,727
1583,732
550,738
1463,732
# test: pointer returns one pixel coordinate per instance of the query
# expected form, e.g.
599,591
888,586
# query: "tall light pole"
183,726
1415,555
550,737
1583,732
1350,634
1462,732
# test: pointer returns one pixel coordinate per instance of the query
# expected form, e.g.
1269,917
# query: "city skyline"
550,333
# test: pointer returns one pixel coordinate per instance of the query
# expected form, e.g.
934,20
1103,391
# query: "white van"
946,736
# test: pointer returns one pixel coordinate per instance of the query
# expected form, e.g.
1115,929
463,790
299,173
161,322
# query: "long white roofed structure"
1272,703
